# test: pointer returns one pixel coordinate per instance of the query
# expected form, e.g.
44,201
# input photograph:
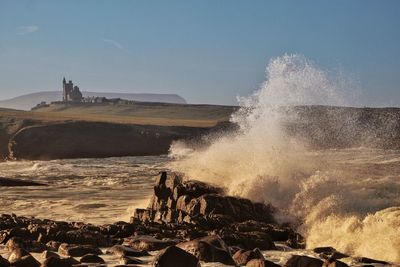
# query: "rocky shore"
187,223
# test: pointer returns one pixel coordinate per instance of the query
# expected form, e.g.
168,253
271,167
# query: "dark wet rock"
248,240
148,243
325,250
175,257
91,258
30,245
18,182
296,241
59,262
334,263
195,202
53,245
261,263
4,262
130,260
75,250
120,250
6,235
16,254
26,261
208,249
242,257
47,254
368,260
303,261
334,256
85,237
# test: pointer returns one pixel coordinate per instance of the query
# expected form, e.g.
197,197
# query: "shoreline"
233,230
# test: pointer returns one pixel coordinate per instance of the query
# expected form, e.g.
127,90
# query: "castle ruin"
71,93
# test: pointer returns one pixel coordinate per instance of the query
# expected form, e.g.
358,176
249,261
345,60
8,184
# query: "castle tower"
65,94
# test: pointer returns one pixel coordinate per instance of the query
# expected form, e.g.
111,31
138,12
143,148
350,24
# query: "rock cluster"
195,202
188,222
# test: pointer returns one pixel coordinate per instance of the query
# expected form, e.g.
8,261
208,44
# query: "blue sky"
205,51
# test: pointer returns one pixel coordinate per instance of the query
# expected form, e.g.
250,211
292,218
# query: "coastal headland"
104,130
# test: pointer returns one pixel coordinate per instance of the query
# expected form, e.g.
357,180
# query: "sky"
207,51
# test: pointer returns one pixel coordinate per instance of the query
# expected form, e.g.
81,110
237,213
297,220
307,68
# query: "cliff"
95,139
62,134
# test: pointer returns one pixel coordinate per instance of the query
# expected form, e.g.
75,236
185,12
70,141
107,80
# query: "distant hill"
26,102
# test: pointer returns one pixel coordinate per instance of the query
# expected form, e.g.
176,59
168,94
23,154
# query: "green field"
136,113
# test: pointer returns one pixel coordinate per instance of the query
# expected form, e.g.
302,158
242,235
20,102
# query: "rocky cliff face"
95,139
194,202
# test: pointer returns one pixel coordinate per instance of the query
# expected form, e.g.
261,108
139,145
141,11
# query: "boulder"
175,257
17,254
248,240
242,257
59,262
194,202
47,254
303,261
261,263
85,237
18,182
53,245
208,249
334,263
26,261
91,258
130,260
120,251
75,250
148,243
371,261
4,262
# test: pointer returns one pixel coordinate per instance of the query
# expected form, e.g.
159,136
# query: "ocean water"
98,191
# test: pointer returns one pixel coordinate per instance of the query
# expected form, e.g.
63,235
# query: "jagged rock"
18,182
326,250
30,245
16,254
53,245
75,250
368,260
91,258
208,249
261,263
195,202
85,237
59,262
248,240
47,254
175,257
303,261
130,260
15,232
4,262
242,257
120,250
148,243
26,261
334,263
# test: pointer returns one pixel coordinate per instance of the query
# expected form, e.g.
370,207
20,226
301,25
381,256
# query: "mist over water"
347,198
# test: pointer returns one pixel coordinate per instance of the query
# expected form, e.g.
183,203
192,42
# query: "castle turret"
71,93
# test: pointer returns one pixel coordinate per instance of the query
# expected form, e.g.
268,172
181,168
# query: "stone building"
71,93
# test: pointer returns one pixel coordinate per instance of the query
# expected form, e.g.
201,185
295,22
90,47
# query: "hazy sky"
206,51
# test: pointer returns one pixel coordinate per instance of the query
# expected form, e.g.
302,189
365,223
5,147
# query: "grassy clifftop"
140,113
78,130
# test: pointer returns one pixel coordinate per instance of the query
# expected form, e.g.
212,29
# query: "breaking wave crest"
333,199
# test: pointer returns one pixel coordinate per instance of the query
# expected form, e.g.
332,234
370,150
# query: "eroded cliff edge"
95,139
319,127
